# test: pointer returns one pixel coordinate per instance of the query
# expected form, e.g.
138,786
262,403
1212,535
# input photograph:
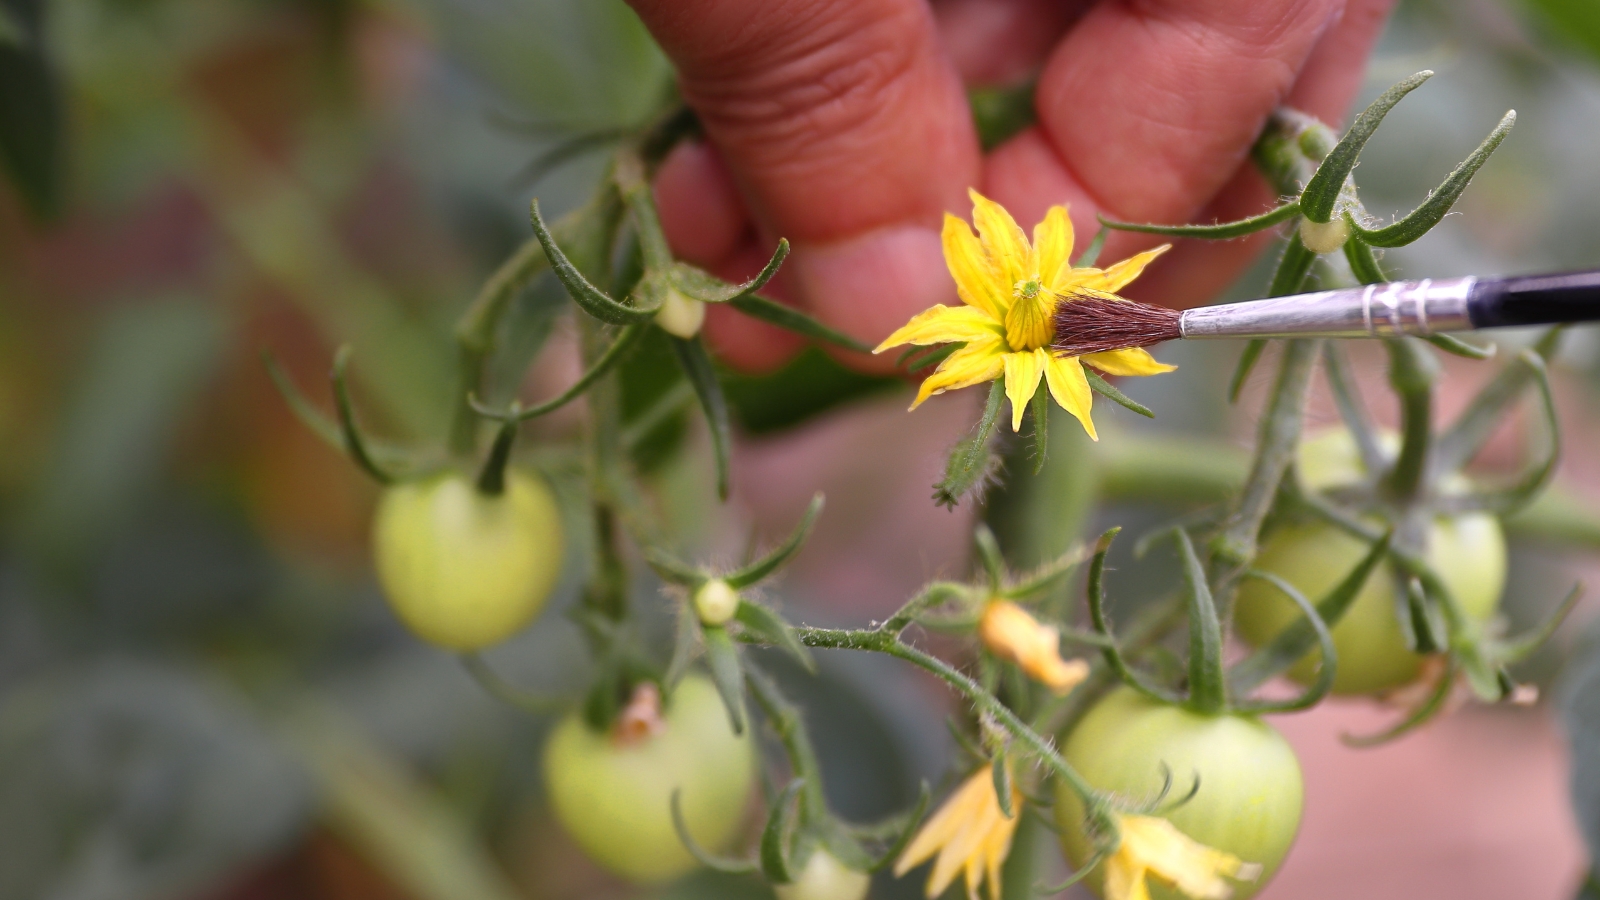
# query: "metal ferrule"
1419,308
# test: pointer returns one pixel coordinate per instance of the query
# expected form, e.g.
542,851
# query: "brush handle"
1535,300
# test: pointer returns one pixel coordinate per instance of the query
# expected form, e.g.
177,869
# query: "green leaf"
772,629
1513,497
1097,614
775,836
705,287
1454,345
589,298
761,568
697,366
971,462
1091,253
722,657
1322,191
32,121
1000,113
354,443
1002,784
672,569
1107,390
1471,430
1208,691
1422,219
791,319
1216,232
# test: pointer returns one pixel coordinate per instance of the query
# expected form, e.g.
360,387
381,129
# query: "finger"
1002,42
745,344
701,213
848,133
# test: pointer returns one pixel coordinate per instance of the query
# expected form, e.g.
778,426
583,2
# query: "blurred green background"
201,692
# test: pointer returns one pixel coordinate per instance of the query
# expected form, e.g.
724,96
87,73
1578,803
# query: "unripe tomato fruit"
1250,793
463,569
615,797
1468,552
825,878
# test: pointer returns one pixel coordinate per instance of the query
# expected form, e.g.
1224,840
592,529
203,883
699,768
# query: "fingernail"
869,285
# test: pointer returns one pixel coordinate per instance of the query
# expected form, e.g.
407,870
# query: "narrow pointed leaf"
1471,430
1002,784
1422,219
1091,253
506,692
589,298
1207,690
772,629
697,366
1457,347
1218,231
1107,390
1424,712
354,443
1247,361
925,360
1363,262
1322,191
1039,406
685,645
1527,487
1295,641
704,857
904,829
791,319
775,836
708,288
994,565
766,565
625,340
1050,890
1097,614
303,409
1520,648
1313,622
672,569
932,595
722,657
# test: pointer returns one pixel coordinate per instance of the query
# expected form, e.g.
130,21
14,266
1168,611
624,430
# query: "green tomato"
463,569
1468,552
1250,793
825,878
615,799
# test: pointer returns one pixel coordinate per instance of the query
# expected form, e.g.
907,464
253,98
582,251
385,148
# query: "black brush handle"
1535,300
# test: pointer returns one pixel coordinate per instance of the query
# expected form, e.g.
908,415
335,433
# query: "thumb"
847,131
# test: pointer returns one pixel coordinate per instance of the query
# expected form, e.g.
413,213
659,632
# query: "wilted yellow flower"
1011,633
969,832
1010,289
1152,845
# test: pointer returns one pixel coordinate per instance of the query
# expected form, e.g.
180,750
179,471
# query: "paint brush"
1420,308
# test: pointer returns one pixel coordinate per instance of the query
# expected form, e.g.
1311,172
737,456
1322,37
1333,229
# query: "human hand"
843,125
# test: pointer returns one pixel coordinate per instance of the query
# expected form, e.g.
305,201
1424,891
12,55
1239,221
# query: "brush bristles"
1095,325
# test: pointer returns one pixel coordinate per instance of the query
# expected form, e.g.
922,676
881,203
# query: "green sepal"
626,338
354,443
303,409
704,857
1431,706
722,658
1422,219
971,462
1519,648
1457,347
1091,253
703,375
1292,643
1293,267
1421,623
686,645
672,569
1351,411
775,864
506,692
707,288
1050,890
989,556
1219,231
1322,191
589,298
1312,621
1002,784
1486,680
1097,615
791,319
1363,262
903,827
1039,410
932,595
1472,428
746,576
772,629
931,358
1525,488
1105,389
1208,690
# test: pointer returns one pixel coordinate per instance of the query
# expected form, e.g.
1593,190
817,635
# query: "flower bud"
1324,237
715,602
680,316
825,878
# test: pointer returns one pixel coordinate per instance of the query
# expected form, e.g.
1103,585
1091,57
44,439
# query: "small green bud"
1324,237
715,602
680,316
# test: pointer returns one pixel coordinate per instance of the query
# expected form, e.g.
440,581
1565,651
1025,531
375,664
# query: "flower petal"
1028,321
1022,379
1132,361
978,361
1125,879
938,830
1192,867
1071,389
1007,246
942,324
1114,278
977,281
1052,245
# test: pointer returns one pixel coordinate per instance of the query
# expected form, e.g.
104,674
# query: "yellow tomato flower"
1011,633
969,832
1154,846
1010,289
